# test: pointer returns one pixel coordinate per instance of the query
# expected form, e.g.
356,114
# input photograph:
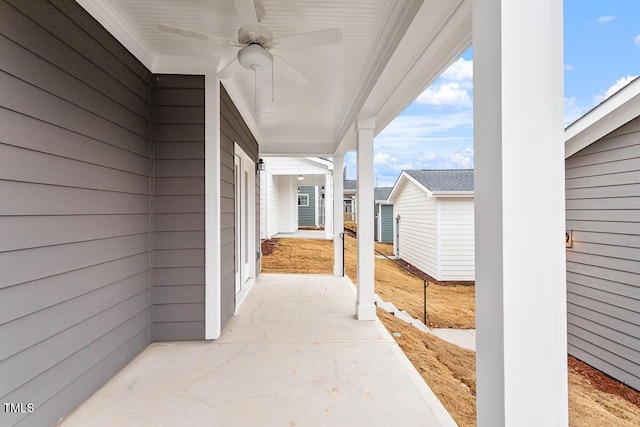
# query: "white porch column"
212,206
328,206
365,307
519,213
338,217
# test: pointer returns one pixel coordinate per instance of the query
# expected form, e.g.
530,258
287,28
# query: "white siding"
295,166
418,229
457,239
287,205
603,267
272,204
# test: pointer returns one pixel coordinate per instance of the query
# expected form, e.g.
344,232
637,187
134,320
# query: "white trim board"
620,108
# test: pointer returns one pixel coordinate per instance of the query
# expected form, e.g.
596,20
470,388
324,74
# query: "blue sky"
602,54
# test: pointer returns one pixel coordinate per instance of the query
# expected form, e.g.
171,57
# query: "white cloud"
605,19
569,67
454,88
381,158
636,40
428,156
462,159
426,127
445,94
462,69
573,110
619,84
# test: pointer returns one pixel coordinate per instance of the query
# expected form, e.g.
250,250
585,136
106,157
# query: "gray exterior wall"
233,129
307,214
375,222
386,224
178,204
75,299
603,266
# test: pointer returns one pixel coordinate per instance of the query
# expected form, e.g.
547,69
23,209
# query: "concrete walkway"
303,234
293,356
465,338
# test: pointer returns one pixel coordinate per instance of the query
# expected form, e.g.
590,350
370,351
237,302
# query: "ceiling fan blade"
192,34
305,40
287,70
230,69
246,11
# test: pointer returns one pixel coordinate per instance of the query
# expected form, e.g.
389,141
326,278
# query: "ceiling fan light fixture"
254,57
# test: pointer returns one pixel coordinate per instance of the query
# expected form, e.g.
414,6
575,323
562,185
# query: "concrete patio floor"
294,355
303,234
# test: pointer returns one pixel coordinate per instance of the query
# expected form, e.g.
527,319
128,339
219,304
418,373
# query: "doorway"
245,235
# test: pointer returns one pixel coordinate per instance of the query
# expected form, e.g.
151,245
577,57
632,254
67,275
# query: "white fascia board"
439,33
397,187
348,143
620,108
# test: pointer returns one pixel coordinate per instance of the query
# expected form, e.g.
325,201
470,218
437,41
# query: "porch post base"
366,311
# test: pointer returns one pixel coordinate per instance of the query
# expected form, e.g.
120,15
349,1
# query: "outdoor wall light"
568,238
260,165
300,177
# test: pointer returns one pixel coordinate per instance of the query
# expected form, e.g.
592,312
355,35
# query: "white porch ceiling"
391,50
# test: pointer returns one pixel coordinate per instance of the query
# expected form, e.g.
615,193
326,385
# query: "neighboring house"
350,191
383,224
434,222
602,152
296,191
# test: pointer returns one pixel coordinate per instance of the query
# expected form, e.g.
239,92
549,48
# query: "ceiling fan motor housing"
254,57
264,38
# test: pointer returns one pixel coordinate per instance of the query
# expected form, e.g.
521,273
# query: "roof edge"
612,113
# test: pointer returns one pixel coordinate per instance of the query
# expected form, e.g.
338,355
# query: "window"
303,200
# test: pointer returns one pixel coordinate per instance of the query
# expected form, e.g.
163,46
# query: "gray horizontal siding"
178,205
603,267
227,209
307,214
386,224
75,290
233,129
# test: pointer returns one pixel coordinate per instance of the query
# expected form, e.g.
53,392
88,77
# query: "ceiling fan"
256,41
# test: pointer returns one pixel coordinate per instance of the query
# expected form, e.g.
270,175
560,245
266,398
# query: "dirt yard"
447,306
595,399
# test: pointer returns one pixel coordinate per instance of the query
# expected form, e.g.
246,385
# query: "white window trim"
306,196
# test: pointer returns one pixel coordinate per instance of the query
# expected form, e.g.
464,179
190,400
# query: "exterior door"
244,221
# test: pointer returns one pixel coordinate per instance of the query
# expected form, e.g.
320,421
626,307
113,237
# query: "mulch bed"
604,382
268,246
